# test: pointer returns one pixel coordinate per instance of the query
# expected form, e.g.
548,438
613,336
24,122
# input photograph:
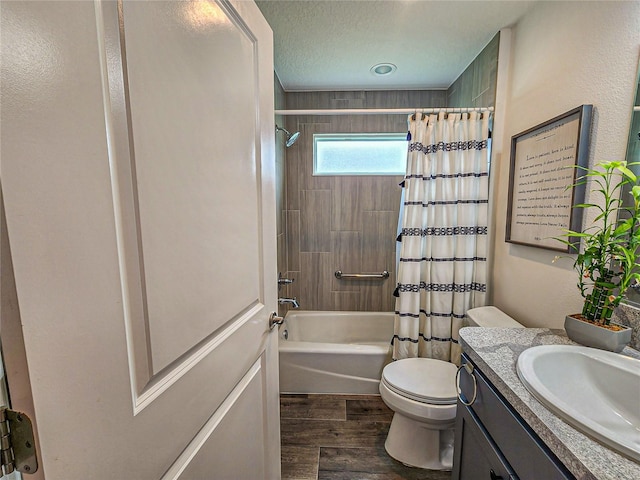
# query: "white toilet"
422,393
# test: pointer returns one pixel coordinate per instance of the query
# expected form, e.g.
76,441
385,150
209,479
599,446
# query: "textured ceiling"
332,45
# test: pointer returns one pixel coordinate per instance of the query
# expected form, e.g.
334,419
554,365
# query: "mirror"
633,155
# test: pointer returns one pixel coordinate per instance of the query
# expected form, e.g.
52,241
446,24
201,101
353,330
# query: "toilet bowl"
422,393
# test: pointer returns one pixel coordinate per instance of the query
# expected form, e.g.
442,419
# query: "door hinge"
17,447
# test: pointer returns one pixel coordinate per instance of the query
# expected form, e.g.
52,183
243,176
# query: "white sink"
596,391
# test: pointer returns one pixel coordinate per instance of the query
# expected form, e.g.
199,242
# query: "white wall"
564,54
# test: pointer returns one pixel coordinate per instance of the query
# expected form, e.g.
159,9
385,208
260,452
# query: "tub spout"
292,301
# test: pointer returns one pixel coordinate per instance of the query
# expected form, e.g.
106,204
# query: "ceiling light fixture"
383,69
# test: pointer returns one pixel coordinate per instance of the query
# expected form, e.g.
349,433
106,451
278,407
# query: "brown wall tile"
292,177
378,240
307,181
347,203
346,301
314,281
346,256
377,296
293,240
476,86
280,162
381,193
282,253
315,221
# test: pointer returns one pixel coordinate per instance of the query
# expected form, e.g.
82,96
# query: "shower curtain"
443,233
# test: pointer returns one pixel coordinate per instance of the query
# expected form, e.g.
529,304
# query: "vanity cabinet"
492,441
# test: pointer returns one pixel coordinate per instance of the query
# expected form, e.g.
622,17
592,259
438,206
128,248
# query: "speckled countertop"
495,351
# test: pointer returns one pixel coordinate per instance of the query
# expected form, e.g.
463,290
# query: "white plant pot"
592,335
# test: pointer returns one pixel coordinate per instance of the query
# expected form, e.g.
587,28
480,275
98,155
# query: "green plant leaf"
587,205
608,251
623,227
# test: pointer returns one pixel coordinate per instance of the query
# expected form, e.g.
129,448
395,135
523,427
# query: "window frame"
319,137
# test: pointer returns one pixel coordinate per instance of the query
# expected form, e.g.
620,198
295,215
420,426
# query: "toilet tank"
490,317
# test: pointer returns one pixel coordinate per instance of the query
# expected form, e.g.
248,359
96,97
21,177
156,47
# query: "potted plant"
608,261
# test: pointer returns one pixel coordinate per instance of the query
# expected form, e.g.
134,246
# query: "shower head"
291,137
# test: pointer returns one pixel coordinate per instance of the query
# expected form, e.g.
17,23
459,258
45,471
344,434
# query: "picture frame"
542,177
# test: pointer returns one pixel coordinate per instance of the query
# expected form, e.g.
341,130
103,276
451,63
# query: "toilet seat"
422,394
423,380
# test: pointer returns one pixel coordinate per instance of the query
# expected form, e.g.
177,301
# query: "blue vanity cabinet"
476,454
492,441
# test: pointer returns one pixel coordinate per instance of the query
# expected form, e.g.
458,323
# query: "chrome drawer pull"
469,368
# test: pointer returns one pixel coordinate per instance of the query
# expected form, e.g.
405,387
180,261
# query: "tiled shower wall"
343,223
350,223
279,101
476,86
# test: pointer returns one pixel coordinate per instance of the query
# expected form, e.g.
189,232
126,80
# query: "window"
359,154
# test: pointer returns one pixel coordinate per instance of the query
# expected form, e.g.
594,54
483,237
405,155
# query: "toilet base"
416,445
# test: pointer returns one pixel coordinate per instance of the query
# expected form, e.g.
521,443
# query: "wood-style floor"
340,437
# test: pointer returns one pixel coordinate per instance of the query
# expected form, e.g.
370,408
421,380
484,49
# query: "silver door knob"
275,320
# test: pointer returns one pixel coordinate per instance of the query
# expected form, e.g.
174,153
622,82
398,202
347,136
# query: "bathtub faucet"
292,301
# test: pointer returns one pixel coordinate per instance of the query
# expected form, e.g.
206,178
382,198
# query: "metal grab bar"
339,275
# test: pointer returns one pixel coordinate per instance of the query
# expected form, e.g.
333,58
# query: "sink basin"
596,391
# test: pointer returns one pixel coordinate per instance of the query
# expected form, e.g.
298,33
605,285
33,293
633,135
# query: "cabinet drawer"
523,450
477,456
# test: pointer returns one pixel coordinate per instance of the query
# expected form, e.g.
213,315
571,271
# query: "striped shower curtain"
443,233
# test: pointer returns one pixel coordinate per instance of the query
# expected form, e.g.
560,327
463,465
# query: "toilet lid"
422,379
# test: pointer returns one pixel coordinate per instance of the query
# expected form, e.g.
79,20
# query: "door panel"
195,172
138,179
226,433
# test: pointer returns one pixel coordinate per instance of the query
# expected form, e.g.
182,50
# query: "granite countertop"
495,351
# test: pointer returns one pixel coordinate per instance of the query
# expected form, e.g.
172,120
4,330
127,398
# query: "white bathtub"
334,352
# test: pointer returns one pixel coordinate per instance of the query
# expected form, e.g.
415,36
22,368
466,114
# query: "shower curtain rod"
382,111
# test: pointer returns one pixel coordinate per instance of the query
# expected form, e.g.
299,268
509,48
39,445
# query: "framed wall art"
542,177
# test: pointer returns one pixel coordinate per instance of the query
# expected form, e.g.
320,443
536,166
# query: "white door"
138,178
